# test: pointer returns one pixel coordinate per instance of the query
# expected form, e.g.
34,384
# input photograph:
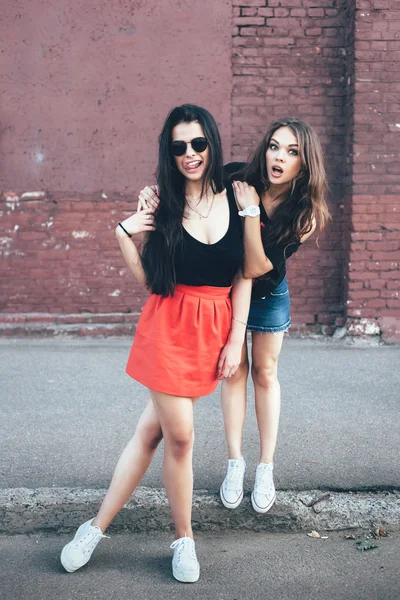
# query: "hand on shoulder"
148,198
245,194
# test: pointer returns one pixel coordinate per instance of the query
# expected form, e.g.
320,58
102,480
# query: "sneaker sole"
65,562
186,577
64,559
227,504
259,509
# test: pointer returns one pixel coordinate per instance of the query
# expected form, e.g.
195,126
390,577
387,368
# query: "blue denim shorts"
271,313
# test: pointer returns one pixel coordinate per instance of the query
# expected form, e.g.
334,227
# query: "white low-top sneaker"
263,496
185,566
78,552
231,491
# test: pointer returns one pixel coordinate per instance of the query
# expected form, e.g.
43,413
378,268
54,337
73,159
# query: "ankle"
97,523
181,533
235,456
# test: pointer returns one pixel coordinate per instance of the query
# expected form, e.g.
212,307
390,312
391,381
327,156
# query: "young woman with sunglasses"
192,326
281,194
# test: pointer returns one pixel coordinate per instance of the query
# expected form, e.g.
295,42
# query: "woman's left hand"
139,222
245,194
148,198
229,360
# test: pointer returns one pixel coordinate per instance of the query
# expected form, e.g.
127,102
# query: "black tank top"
216,264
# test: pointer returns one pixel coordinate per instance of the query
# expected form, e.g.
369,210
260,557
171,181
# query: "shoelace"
234,477
180,545
91,543
264,483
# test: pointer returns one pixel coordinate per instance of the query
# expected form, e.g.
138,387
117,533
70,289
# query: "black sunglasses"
198,144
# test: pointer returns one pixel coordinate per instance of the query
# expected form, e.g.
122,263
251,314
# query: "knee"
180,443
151,436
265,376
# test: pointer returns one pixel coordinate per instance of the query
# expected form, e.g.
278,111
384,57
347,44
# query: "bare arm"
230,355
240,295
256,262
138,223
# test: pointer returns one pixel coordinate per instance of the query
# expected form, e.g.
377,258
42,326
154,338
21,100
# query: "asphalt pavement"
68,409
245,566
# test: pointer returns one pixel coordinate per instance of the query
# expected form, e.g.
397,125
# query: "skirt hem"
171,392
262,329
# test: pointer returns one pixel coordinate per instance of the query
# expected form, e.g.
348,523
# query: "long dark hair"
295,214
160,246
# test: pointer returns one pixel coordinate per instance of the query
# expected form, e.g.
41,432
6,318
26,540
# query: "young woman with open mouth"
281,193
192,326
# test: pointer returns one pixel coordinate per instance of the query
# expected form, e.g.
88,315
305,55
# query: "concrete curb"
25,510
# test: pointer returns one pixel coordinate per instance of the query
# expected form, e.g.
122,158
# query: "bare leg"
176,418
132,465
265,354
233,402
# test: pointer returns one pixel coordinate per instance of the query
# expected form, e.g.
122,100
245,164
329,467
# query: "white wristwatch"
252,211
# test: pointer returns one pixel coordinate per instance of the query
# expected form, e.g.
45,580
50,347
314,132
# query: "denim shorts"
271,313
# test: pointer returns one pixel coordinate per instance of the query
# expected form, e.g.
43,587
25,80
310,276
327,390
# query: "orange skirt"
179,339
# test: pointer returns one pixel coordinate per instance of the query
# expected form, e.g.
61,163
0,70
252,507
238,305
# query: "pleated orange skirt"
179,339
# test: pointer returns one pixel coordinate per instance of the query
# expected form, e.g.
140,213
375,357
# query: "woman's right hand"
245,194
148,198
140,222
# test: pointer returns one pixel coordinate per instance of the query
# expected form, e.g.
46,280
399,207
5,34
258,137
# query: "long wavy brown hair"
305,203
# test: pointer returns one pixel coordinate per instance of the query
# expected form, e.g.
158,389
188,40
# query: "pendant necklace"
198,212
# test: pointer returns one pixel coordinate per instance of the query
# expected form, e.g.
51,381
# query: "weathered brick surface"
295,64
87,86
335,63
60,255
373,175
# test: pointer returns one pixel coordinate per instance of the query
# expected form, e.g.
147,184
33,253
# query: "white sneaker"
231,491
263,496
78,552
185,566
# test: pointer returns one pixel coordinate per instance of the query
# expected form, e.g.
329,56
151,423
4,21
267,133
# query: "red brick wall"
64,256
373,303
86,98
89,85
88,88
289,58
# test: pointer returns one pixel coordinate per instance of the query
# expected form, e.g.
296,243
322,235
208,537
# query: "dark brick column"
373,172
289,58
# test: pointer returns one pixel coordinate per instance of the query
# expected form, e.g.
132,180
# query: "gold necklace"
198,212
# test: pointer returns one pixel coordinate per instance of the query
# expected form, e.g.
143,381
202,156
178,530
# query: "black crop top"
197,263
265,284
